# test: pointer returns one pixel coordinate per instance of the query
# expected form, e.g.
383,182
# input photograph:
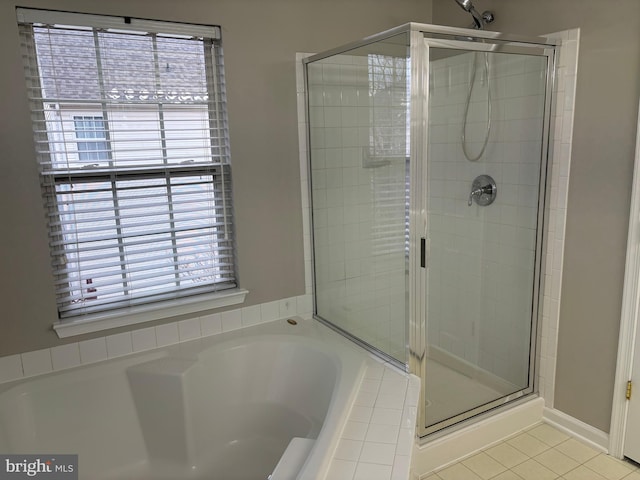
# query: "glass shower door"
359,155
485,172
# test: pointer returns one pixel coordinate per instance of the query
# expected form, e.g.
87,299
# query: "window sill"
147,313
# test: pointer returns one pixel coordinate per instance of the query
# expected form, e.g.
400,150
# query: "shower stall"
428,166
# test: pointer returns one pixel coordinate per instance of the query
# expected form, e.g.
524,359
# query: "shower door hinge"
629,388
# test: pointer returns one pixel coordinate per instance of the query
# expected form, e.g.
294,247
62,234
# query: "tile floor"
539,453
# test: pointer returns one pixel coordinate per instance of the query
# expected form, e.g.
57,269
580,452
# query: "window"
91,131
132,141
389,86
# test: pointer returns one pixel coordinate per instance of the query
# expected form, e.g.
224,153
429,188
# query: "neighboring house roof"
128,67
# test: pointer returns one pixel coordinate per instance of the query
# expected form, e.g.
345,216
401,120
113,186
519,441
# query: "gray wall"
260,39
608,87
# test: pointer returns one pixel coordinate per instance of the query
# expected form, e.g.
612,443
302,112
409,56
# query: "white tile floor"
539,453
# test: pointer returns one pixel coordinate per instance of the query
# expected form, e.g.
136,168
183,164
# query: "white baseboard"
568,424
446,450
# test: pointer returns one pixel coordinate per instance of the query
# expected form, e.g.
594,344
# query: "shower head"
479,21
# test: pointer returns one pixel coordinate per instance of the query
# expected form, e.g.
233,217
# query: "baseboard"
577,428
446,450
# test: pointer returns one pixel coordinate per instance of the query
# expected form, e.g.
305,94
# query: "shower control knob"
483,191
487,17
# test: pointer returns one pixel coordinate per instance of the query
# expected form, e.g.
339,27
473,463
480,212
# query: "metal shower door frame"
422,38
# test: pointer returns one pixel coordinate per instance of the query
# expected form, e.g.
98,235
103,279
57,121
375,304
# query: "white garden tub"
231,406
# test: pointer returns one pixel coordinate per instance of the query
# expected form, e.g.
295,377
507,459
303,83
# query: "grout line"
529,456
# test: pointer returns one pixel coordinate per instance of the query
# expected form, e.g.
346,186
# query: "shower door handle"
423,252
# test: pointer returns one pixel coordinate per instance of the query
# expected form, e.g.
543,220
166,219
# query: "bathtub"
264,402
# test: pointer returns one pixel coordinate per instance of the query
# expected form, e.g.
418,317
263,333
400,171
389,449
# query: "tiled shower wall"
481,271
358,143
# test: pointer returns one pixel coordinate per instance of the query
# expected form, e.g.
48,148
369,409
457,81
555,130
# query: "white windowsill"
147,313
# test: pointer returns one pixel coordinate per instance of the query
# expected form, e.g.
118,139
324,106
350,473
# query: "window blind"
388,152
131,137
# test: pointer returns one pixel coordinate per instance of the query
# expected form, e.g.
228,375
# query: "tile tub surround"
39,362
376,440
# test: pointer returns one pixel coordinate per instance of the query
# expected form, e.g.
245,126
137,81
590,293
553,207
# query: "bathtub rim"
309,332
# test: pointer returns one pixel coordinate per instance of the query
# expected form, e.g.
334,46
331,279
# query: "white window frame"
158,309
